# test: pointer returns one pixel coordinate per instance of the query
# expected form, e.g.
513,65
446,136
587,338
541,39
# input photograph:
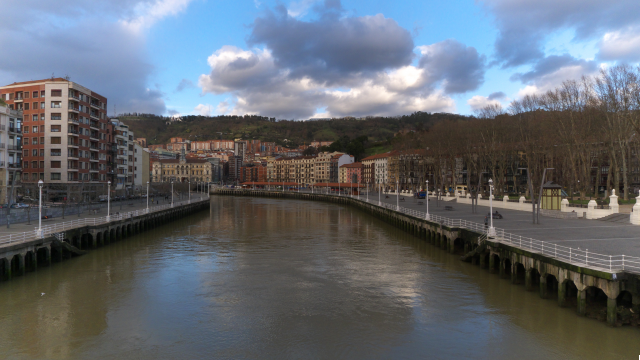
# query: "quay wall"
17,259
613,297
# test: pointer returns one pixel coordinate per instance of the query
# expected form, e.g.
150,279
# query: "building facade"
64,130
10,151
182,170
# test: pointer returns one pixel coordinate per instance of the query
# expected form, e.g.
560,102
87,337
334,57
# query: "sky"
306,59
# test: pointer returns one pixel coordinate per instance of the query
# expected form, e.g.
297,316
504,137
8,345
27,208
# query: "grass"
378,150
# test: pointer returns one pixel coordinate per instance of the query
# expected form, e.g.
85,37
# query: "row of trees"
584,129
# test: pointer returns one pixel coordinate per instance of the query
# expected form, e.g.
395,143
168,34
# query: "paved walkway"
116,206
593,235
596,236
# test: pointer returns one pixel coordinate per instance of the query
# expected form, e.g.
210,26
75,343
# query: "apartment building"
64,130
10,150
123,141
351,173
141,168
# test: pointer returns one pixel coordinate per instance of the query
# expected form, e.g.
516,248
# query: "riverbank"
595,289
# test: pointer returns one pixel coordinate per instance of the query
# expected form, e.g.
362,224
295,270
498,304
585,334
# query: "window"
56,128
41,164
56,104
34,141
34,152
26,153
56,116
42,105
56,93
26,106
26,94
55,164
34,164
26,164
55,176
35,129
42,93
42,140
25,130
56,152
41,128
34,176
35,94
34,117
56,140
42,152
41,117
35,105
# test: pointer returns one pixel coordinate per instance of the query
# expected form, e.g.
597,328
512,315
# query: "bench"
450,208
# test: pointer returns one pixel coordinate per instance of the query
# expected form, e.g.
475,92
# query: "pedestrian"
486,221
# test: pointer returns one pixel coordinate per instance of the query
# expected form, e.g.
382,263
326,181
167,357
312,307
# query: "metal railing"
67,225
573,256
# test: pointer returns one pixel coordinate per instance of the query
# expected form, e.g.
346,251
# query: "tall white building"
10,150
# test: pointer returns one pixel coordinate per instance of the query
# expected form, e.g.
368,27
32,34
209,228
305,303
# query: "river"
259,278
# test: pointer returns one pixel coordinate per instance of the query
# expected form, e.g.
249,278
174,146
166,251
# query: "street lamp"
379,193
426,195
398,195
147,197
108,201
189,186
492,230
40,235
171,193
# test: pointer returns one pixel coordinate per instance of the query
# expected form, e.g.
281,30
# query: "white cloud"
300,8
621,45
148,13
478,102
202,109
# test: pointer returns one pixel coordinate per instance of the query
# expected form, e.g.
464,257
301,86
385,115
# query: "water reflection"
269,278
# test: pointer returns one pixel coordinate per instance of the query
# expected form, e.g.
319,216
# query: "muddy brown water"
283,279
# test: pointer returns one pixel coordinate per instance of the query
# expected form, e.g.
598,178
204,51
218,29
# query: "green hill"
379,130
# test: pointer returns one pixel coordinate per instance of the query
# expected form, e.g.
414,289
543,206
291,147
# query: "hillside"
158,129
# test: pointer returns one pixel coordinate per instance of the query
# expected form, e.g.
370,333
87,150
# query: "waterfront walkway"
20,232
608,246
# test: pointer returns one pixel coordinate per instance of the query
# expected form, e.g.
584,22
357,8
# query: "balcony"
74,97
73,109
94,125
72,144
94,159
95,106
94,116
76,121
14,147
94,170
15,130
72,156
15,165
72,167
94,137
93,148
73,132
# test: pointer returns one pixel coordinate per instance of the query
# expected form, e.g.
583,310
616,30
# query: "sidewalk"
116,207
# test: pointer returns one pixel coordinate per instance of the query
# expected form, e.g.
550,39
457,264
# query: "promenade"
119,209
585,236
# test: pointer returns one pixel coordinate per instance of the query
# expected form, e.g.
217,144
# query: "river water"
282,279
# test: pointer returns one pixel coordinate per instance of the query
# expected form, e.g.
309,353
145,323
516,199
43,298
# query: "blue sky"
306,58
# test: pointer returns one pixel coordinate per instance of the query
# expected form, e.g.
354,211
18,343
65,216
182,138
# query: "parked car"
19,206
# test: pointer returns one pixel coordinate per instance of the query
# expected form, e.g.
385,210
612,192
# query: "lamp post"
367,190
492,230
189,186
398,195
108,201
40,235
171,193
147,197
426,195
379,193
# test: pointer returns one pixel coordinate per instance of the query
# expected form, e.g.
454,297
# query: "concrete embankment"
19,258
612,296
